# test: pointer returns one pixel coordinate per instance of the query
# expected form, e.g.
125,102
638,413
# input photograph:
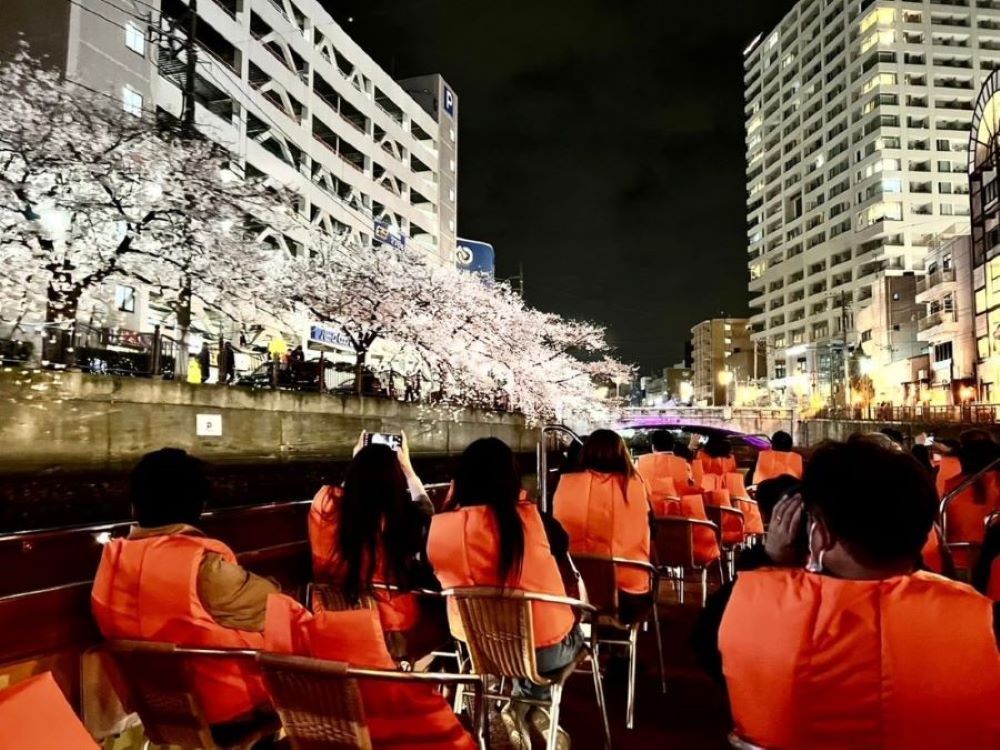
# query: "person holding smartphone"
372,530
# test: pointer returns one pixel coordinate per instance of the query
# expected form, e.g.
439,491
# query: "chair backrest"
737,743
320,705
598,575
673,542
499,631
157,684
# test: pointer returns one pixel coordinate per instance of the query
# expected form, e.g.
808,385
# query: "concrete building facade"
947,325
287,91
715,342
857,123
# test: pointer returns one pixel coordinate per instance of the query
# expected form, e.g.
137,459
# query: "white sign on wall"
208,425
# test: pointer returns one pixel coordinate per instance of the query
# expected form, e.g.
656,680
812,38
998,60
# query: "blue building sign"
384,235
475,257
449,101
321,337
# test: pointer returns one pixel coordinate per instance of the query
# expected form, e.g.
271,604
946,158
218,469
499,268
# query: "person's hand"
404,454
921,439
782,535
360,444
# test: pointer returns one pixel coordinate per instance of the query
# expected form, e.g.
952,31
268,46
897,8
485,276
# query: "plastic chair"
598,575
321,705
501,642
159,686
676,548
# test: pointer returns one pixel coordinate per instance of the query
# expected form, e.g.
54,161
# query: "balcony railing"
936,319
934,279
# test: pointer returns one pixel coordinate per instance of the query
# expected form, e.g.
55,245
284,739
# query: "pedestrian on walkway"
205,361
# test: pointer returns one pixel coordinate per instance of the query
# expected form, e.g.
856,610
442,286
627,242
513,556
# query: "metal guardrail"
956,414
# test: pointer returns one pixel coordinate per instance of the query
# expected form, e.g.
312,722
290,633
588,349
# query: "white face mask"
815,563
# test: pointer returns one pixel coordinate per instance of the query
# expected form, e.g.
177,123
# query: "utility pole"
843,351
191,52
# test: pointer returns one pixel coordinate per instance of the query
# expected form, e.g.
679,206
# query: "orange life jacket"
697,471
398,612
932,554
753,522
601,520
398,716
716,464
463,548
948,468
993,586
656,466
967,513
814,662
35,714
772,464
146,590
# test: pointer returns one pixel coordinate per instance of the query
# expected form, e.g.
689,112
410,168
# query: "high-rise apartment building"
723,356
857,125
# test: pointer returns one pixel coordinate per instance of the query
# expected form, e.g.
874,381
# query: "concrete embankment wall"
70,420
811,432
68,441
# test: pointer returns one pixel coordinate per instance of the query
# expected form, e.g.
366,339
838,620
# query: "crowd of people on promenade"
836,627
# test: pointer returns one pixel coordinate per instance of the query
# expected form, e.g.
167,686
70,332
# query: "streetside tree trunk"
361,358
62,302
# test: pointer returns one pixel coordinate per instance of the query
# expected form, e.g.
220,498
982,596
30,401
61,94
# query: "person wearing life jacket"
34,713
398,716
605,510
716,456
967,512
490,536
372,531
666,474
780,459
168,582
859,649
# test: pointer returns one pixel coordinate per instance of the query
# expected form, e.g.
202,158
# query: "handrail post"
962,486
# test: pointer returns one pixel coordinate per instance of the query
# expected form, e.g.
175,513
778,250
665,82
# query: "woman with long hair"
605,510
372,530
492,536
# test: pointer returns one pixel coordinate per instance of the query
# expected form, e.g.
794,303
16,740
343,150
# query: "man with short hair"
168,582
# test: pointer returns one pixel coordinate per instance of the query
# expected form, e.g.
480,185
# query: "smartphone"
929,441
393,440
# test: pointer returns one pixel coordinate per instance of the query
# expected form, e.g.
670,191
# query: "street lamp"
726,380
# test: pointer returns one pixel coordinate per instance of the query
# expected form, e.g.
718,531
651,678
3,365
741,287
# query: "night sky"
600,145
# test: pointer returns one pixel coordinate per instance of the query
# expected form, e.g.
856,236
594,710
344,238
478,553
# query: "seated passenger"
494,538
780,459
716,456
168,582
373,530
666,475
859,650
605,511
967,512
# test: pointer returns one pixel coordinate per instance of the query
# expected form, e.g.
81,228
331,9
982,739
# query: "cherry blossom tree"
89,193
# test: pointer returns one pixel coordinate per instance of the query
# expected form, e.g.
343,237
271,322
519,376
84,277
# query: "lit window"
132,102
451,225
892,186
135,39
125,298
451,194
451,164
452,134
